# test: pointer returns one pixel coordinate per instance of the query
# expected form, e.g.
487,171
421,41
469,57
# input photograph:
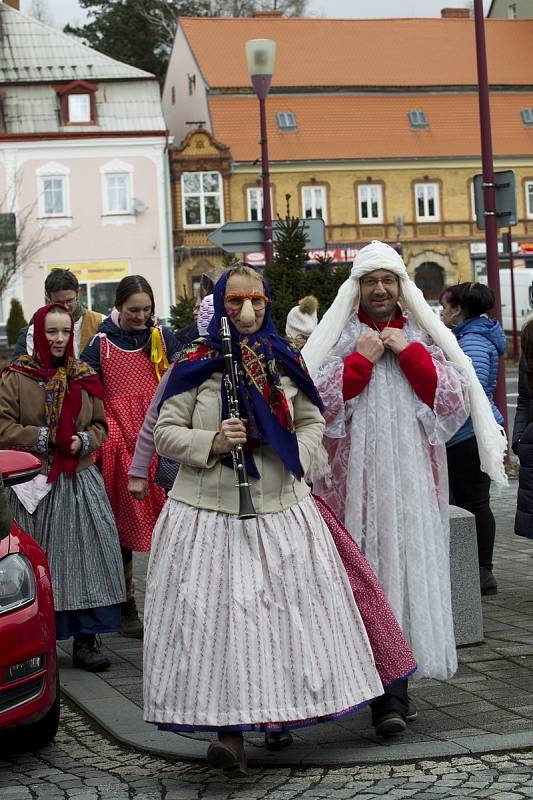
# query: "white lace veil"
491,439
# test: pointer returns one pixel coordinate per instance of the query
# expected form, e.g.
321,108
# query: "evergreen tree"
15,321
129,30
181,315
286,275
141,32
323,280
319,282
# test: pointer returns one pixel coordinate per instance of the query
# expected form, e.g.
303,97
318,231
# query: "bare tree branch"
29,240
162,15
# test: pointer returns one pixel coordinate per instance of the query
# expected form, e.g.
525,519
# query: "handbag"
166,472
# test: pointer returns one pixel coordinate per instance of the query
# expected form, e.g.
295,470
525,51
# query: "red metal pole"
489,194
267,209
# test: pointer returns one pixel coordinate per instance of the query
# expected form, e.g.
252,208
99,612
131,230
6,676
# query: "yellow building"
372,125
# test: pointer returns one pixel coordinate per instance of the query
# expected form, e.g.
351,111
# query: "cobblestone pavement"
486,706
83,763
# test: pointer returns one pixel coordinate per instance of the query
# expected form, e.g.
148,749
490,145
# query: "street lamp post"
260,54
489,192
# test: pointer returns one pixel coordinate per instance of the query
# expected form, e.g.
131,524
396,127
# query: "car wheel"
38,734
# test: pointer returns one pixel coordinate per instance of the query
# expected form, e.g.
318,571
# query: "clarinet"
246,506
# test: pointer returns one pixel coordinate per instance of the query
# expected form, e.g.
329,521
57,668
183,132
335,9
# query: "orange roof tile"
363,52
368,126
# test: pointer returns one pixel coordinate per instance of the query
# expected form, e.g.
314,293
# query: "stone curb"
122,719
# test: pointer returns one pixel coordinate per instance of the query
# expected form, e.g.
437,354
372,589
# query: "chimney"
268,14
13,4
455,13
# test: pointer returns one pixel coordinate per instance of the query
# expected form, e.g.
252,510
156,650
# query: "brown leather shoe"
228,755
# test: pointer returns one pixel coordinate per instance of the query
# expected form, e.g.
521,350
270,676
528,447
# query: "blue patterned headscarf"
261,358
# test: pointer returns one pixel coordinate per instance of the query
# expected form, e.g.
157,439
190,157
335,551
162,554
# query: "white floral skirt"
250,622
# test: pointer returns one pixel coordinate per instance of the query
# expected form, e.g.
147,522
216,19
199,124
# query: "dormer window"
79,108
418,119
527,116
77,101
286,121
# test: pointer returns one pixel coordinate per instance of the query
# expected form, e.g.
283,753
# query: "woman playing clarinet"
250,623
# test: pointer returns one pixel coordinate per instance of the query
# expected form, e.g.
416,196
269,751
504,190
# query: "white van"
523,287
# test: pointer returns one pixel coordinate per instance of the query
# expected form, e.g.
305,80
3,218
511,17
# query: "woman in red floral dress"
131,354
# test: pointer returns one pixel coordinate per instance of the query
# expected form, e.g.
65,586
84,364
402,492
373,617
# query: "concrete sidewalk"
486,707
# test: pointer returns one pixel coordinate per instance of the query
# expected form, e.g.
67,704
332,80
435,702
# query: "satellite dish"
138,205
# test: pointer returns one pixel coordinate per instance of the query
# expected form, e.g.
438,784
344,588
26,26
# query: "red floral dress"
129,384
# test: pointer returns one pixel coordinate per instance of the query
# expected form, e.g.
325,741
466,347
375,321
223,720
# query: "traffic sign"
505,188
249,237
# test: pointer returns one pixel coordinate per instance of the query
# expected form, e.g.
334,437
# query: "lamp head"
260,55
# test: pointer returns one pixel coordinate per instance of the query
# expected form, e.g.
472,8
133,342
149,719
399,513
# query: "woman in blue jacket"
483,340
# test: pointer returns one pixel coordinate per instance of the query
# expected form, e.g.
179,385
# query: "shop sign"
346,254
95,271
480,249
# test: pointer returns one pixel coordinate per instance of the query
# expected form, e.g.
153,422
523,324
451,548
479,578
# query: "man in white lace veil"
396,387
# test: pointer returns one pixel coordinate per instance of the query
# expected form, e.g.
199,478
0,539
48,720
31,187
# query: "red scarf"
62,385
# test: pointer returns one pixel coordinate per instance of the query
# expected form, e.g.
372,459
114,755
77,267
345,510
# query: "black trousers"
470,489
127,563
394,699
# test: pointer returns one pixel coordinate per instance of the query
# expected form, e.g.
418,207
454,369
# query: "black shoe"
390,724
487,581
131,625
278,740
86,655
412,712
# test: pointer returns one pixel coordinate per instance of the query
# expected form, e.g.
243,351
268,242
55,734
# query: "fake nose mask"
247,316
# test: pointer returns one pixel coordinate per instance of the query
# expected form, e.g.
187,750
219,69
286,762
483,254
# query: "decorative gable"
199,152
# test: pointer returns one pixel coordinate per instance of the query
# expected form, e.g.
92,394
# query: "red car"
29,683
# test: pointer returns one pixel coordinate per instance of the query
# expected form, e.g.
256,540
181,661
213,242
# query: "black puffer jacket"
523,447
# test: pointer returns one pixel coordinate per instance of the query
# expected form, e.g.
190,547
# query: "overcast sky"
63,11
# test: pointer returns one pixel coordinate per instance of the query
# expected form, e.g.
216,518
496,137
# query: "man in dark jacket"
61,286
523,436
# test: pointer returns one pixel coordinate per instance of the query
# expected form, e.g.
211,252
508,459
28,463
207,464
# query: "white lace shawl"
389,483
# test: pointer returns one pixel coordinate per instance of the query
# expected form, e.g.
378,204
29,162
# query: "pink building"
83,165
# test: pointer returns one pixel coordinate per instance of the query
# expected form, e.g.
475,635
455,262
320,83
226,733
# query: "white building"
83,164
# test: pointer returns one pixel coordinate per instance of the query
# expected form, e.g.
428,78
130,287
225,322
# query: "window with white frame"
427,202
254,198
117,189
202,199
53,190
117,194
79,107
54,196
370,198
314,202
286,121
529,199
